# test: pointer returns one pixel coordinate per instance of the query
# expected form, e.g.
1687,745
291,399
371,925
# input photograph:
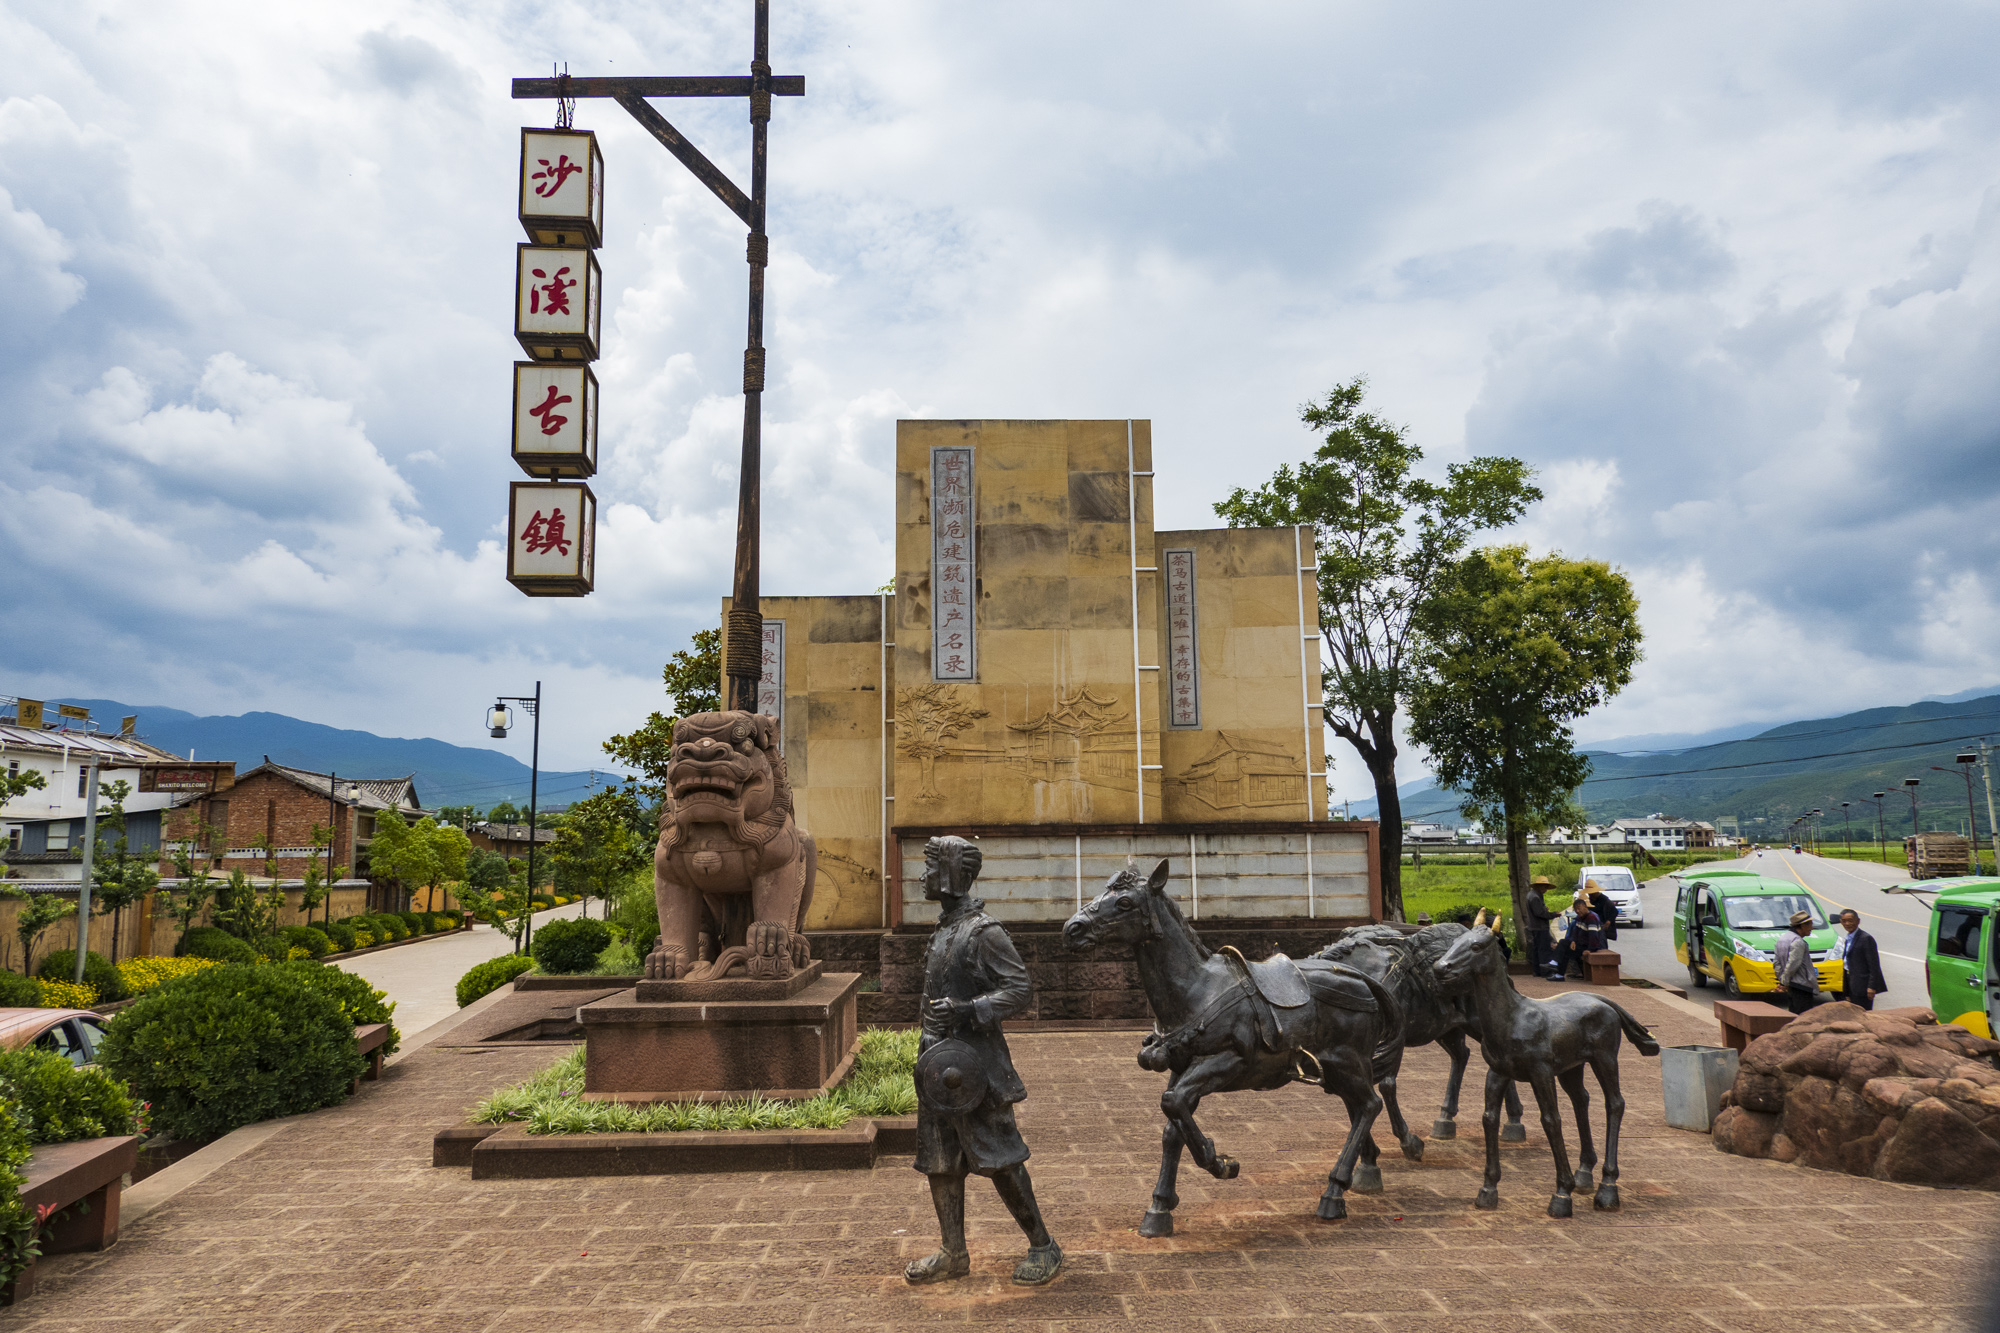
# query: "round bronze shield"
951,1078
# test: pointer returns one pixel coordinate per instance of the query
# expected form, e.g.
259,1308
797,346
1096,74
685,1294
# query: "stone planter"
1693,1079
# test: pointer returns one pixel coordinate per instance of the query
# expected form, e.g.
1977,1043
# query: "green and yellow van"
1959,963
1727,923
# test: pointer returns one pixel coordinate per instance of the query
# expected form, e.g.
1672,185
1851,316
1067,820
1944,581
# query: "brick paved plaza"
337,1221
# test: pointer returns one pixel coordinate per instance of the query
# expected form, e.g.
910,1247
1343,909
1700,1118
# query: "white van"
1619,885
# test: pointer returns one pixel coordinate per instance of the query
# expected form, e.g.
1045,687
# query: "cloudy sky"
1727,275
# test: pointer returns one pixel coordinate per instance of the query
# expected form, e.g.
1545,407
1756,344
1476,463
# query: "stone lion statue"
733,868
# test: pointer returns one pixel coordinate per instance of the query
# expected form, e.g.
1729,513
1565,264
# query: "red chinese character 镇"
545,534
552,177
552,420
554,292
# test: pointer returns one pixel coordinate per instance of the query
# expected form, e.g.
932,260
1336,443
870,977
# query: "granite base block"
688,1050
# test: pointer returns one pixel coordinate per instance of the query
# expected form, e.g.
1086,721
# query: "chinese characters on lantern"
562,188
551,538
771,680
954,581
555,419
1183,653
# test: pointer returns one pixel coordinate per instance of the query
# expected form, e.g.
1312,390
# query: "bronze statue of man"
966,1084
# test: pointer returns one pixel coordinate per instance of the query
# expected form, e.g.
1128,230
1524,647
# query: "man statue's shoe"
1041,1265
941,1267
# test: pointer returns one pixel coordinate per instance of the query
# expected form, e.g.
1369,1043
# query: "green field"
1445,880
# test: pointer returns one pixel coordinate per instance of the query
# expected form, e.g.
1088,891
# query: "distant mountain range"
1766,779
446,774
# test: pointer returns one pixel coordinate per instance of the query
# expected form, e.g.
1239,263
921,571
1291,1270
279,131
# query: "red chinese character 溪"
553,177
545,534
552,420
554,292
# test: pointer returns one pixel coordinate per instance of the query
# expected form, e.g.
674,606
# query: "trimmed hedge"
359,1002
230,1046
223,947
340,933
415,921
98,973
570,946
388,927
19,992
17,1224
60,1103
446,921
491,975
311,938
645,935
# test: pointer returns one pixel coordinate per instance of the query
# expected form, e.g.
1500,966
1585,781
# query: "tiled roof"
54,740
372,793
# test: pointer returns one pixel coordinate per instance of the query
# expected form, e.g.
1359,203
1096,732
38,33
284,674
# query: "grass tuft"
551,1102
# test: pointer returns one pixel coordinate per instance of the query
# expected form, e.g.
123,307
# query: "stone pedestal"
712,1049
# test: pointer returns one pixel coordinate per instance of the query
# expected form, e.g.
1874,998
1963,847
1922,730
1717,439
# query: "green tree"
599,845
1511,649
507,906
506,813
459,814
693,678
244,910
1384,539
119,876
43,910
194,889
420,855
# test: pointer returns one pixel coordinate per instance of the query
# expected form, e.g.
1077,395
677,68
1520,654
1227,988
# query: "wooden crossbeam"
720,85
691,157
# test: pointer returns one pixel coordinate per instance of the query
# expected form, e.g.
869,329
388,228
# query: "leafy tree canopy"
693,678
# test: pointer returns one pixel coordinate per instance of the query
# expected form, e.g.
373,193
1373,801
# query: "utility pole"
1992,824
89,854
744,640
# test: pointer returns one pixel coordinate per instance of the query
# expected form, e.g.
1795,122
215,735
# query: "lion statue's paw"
667,962
770,945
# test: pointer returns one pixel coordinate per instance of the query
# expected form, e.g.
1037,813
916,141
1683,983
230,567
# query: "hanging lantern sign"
562,187
555,419
552,538
558,303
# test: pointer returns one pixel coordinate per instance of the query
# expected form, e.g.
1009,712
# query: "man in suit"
1863,979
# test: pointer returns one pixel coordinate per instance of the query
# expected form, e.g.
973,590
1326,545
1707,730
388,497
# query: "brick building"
511,841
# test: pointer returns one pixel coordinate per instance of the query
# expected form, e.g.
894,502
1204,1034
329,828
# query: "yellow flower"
67,995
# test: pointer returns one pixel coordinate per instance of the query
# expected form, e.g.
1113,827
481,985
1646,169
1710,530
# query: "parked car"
1726,928
75,1033
1621,886
1959,962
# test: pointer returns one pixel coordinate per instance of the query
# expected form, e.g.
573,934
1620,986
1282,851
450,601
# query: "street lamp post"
1910,786
1846,833
1881,839
498,723
1965,760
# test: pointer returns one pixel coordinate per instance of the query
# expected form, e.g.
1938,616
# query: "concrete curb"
444,1026
509,1152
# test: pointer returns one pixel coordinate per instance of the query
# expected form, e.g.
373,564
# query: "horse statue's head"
1125,913
1472,954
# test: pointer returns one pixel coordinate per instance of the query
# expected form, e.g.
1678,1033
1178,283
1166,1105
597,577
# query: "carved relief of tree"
927,720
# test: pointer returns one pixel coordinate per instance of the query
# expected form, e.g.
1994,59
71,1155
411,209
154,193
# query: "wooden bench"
1743,1021
1602,965
370,1039
62,1176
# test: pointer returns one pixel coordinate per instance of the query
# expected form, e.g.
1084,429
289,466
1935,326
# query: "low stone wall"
1891,1094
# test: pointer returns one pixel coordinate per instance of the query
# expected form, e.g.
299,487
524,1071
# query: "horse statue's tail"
1635,1031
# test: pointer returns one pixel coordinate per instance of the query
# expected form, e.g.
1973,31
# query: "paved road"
1898,924
423,978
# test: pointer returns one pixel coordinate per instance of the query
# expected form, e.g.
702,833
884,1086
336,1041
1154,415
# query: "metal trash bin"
1693,1079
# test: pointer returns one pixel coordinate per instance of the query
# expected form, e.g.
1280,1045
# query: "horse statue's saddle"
1277,978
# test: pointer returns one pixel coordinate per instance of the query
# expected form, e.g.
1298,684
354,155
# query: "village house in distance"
1070,685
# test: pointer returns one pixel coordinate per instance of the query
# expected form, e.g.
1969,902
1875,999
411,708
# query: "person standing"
1798,979
973,978
1541,944
1861,963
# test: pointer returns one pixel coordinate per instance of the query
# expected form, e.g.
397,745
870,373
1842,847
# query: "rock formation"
1891,1094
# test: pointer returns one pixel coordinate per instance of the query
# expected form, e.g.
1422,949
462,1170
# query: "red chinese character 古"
552,293
553,177
545,534
552,420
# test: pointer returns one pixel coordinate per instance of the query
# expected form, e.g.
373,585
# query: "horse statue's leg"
1179,1101
1159,1219
1606,1066
1347,1075
1446,1124
1513,1131
1586,1153
1544,1085
1406,1138
1497,1085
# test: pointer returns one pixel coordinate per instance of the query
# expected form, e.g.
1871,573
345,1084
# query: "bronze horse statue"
1222,1024
1402,962
1543,1043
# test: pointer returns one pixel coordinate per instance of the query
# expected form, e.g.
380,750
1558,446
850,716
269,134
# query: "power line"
1795,759
1826,731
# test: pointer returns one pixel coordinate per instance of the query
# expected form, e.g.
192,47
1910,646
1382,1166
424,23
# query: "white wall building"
56,811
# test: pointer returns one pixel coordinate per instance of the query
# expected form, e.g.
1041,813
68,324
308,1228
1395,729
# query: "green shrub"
570,946
19,992
360,1003
644,936
314,940
414,920
98,973
209,942
491,975
233,1045
445,921
340,933
272,948
387,926
61,1103
18,1246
